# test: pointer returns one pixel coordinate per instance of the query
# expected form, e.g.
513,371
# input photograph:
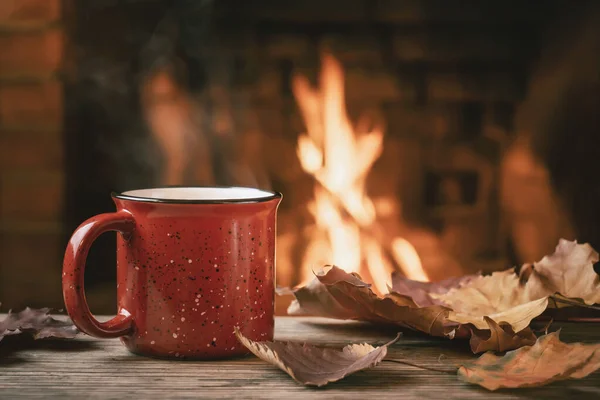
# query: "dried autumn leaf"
569,272
38,322
516,300
420,292
337,294
499,337
314,365
548,360
518,317
485,295
315,299
495,311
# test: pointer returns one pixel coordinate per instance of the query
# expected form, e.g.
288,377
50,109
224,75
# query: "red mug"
192,264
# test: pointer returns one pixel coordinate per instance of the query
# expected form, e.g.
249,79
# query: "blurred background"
427,136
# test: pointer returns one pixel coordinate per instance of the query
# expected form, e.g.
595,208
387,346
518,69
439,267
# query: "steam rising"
157,93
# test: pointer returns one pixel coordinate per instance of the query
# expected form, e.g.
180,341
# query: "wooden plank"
94,368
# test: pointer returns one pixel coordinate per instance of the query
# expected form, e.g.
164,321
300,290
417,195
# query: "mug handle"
73,272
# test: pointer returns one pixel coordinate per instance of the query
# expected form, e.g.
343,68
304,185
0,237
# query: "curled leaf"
548,360
38,322
506,297
313,365
337,294
568,272
499,337
315,299
494,310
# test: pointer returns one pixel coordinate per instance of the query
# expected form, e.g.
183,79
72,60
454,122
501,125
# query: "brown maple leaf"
38,322
568,272
548,360
495,311
506,297
314,365
337,294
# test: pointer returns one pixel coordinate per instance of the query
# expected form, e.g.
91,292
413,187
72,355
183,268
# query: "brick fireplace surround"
32,173
446,79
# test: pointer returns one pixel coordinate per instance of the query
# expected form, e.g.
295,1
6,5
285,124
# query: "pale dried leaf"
506,297
314,365
548,360
460,307
569,271
518,317
485,295
499,298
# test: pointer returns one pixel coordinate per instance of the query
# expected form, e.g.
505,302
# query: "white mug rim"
198,195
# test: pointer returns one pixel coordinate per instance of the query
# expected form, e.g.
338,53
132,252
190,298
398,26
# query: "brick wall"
31,153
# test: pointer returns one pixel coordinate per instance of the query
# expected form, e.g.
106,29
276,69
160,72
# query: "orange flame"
340,158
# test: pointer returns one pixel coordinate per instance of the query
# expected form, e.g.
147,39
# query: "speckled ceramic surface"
188,272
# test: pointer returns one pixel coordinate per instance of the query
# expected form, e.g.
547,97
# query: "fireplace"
383,128
390,126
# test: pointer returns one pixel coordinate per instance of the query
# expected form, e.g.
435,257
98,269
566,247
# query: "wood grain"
92,368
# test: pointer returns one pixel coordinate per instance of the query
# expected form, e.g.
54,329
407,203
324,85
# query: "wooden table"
92,368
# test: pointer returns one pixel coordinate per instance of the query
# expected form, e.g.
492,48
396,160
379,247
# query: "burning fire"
348,229
340,156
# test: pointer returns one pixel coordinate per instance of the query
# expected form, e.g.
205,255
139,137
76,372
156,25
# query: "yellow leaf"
518,317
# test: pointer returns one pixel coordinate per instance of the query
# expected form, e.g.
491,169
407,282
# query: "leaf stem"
444,371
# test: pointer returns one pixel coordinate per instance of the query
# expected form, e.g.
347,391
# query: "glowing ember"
340,156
